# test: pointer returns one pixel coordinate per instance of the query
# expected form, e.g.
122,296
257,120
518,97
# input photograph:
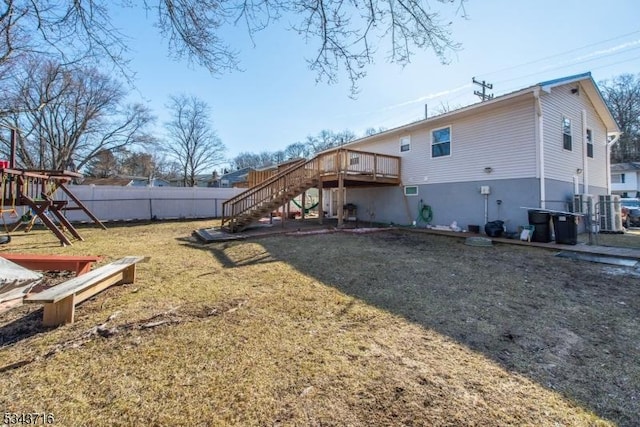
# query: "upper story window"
441,142
566,133
589,143
405,144
617,178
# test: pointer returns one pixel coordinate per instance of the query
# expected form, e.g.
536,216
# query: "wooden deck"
339,168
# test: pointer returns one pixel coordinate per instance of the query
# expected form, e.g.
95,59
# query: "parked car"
630,212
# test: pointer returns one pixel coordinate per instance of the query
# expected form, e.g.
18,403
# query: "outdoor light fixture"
578,171
488,169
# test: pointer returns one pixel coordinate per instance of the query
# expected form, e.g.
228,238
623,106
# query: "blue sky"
276,101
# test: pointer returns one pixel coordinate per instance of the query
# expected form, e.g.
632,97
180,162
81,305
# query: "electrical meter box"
485,189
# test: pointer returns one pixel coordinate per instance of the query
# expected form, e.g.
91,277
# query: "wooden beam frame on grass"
60,301
76,263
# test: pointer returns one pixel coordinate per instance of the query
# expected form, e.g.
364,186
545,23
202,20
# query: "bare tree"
103,165
67,31
297,150
138,164
246,159
327,139
84,115
192,142
622,95
347,34
373,131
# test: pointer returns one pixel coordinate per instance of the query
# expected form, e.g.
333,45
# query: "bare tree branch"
192,143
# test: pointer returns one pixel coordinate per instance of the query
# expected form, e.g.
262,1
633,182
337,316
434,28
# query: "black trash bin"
494,228
566,228
542,227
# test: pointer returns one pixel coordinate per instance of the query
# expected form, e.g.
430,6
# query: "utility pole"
483,95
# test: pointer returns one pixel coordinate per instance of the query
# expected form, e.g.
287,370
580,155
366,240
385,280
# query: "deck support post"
304,196
340,199
320,202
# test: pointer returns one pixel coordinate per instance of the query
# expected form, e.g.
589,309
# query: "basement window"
411,190
566,133
589,143
405,144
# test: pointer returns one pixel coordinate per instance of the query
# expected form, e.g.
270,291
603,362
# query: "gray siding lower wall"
459,201
559,194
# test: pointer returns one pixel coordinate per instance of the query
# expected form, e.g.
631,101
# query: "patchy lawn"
388,328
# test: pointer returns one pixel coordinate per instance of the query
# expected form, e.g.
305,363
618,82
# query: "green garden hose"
425,213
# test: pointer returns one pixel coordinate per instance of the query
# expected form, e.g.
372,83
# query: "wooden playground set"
28,195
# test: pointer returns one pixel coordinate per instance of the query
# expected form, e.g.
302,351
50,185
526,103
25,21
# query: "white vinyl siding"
501,137
561,164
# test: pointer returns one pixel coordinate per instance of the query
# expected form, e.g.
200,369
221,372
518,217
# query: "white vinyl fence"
115,203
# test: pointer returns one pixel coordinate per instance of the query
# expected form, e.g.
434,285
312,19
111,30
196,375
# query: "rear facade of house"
534,148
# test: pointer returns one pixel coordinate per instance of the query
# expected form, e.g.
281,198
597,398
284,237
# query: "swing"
12,212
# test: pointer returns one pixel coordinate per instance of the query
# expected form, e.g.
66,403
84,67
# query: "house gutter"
540,144
616,138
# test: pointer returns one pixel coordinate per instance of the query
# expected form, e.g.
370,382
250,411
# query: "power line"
559,54
568,64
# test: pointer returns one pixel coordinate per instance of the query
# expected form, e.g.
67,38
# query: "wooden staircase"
255,203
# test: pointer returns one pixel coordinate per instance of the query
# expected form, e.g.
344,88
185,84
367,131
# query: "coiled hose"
425,213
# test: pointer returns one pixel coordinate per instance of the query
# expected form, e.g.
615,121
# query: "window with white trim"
566,133
441,142
617,178
405,144
589,143
410,190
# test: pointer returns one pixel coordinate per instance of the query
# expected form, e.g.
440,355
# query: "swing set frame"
36,190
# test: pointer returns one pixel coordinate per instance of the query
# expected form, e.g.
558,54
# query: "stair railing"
271,190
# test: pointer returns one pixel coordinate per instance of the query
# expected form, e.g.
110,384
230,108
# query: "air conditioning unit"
610,214
585,204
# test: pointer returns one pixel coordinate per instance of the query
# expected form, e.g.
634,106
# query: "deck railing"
353,162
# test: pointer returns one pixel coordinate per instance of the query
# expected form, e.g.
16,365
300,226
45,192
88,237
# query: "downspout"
540,144
616,137
585,163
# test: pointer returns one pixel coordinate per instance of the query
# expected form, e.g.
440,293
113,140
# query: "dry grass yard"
382,329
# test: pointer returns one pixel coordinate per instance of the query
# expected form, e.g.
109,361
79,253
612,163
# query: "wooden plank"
77,284
59,313
86,293
79,264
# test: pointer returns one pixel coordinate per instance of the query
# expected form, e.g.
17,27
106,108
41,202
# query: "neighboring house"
534,147
625,179
235,179
126,181
202,180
